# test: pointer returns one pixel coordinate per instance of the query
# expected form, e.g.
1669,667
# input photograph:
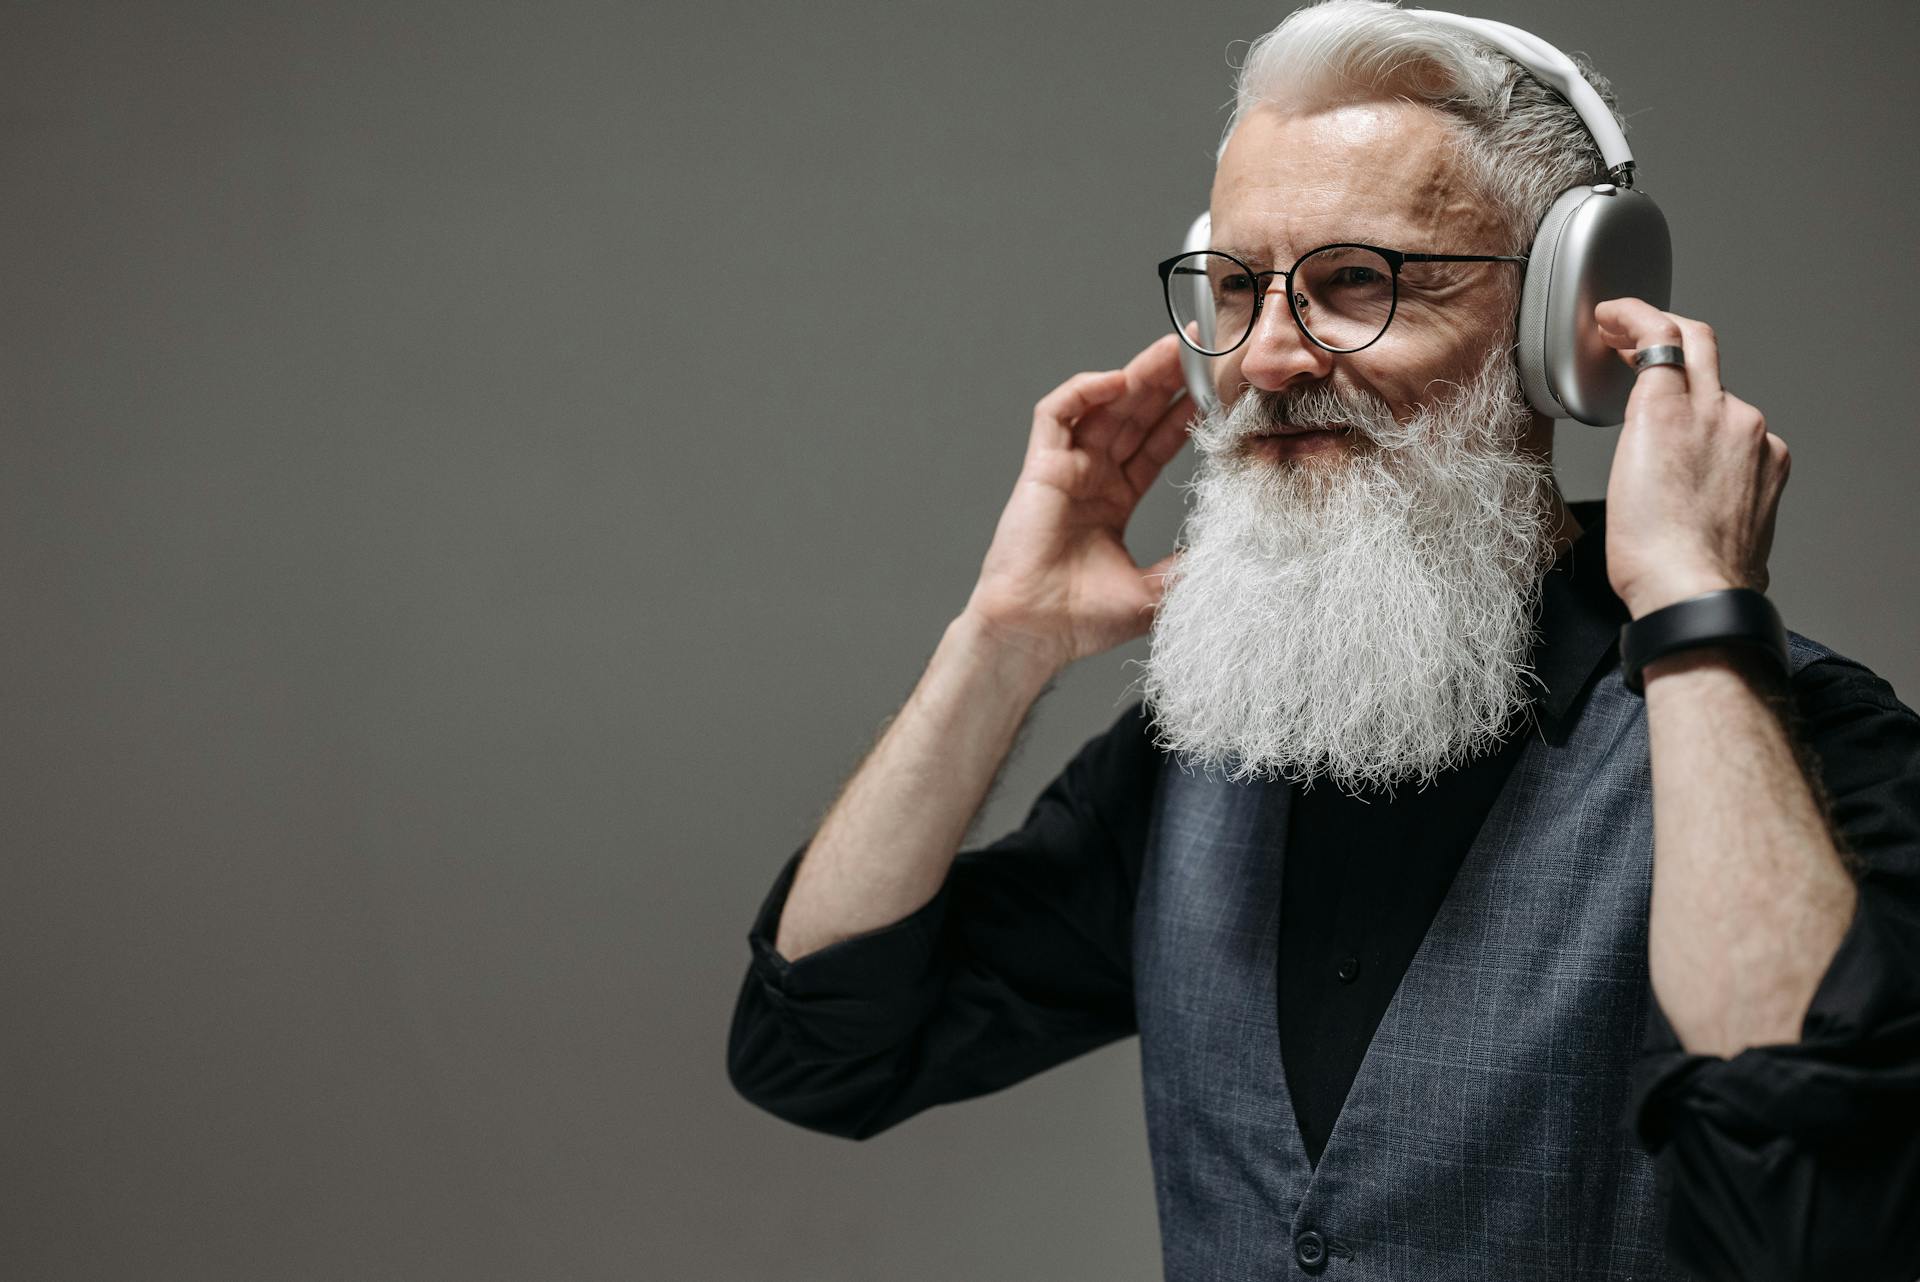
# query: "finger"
1142,425
1157,575
1152,376
1155,415
1782,464
1630,324
1056,413
1156,362
1096,427
1168,436
1779,462
1742,427
1173,420
1702,347
1782,457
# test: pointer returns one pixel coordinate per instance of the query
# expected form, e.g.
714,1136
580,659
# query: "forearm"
1750,896
886,844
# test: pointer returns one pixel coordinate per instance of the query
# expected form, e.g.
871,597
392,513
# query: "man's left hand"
1696,476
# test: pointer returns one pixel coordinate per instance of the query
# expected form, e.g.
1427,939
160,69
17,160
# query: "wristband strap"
1730,616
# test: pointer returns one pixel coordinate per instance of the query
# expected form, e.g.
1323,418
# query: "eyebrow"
1254,257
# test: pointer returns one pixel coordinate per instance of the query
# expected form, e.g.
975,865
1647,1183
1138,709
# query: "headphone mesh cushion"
1537,297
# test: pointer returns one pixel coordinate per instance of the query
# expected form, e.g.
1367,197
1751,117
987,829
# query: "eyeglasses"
1342,296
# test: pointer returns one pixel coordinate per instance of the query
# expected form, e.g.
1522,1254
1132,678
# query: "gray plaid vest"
1485,1135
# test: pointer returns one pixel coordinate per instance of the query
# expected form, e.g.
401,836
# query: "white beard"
1365,616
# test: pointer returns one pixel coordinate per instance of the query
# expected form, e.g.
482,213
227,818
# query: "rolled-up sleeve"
1802,1160
1021,961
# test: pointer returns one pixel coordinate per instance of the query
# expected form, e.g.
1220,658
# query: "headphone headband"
1602,240
1557,70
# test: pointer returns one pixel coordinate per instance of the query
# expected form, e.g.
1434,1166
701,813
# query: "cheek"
1414,372
1397,377
1226,373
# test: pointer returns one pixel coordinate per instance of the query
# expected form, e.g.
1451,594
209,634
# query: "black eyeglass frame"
1395,259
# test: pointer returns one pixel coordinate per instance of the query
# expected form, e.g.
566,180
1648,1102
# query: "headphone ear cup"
1194,366
1535,297
1595,243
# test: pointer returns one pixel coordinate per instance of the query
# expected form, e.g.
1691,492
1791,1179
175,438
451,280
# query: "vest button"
1348,970
1310,1249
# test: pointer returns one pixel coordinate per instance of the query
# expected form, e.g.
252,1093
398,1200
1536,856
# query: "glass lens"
1343,296
1210,298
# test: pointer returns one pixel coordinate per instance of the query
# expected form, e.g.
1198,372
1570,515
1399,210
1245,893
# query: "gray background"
475,478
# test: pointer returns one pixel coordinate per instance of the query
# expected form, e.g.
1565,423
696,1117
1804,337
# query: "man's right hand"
1058,580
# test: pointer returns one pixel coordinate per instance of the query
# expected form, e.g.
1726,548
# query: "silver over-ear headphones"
1596,242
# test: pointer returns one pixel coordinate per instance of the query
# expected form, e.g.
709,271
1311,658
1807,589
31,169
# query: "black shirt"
1354,911
1789,1161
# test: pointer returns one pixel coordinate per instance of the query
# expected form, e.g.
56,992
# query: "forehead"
1378,171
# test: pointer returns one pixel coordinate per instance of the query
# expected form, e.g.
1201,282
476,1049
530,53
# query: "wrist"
1674,588
1025,661
1713,620
1748,664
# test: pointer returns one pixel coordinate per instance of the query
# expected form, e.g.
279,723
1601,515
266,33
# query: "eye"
1356,274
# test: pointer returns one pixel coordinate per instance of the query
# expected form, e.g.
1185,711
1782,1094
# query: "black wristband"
1730,616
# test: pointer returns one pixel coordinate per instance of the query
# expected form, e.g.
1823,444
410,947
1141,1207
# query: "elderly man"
1436,935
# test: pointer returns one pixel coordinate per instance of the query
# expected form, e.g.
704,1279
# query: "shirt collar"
1580,620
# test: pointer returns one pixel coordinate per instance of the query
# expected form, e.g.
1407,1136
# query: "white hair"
1519,139
1368,619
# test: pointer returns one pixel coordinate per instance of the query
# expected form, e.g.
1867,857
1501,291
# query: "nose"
1278,353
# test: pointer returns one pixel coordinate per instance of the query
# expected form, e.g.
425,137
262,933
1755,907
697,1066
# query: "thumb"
1158,575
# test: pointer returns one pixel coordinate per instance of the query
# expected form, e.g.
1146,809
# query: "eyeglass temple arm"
1464,258
1405,258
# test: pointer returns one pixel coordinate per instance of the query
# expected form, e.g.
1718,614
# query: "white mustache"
1318,408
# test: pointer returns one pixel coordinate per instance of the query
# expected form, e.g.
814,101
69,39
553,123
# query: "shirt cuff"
855,997
1855,1069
